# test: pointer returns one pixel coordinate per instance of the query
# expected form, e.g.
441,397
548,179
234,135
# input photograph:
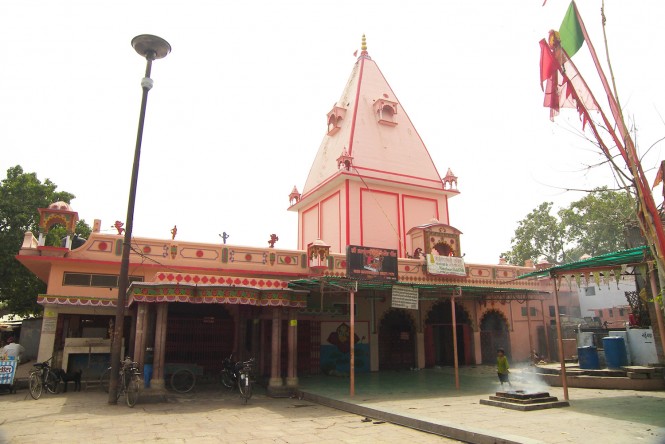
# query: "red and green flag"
570,31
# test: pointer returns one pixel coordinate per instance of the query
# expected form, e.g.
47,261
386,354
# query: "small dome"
60,206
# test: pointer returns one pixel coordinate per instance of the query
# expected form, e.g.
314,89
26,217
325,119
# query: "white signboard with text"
449,265
405,297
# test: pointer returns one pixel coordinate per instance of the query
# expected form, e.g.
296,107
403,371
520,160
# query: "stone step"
524,407
525,401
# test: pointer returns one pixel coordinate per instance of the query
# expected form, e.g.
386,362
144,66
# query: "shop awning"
609,261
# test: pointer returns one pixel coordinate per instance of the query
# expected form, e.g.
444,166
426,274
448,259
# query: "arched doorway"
494,334
439,348
397,341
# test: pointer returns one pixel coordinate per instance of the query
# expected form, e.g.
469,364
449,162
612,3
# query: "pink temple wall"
310,226
380,213
330,222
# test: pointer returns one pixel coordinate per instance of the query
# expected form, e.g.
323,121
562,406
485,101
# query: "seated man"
13,349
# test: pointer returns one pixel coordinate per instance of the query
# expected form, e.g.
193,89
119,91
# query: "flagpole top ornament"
363,46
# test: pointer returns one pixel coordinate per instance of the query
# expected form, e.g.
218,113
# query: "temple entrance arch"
397,340
494,334
439,348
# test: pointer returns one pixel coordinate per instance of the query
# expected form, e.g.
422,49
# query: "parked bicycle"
43,377
238,374
129,381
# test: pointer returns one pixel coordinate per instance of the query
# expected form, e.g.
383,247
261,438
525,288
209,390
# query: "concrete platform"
428,400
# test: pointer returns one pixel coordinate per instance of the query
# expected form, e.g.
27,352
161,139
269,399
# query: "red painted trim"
398,174
313,190
302,232
161,267
319,186
348,215
408,183
355,106
447,211
409,119
399,235
339,214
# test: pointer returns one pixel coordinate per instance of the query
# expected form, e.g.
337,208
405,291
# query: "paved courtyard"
421,400
206,417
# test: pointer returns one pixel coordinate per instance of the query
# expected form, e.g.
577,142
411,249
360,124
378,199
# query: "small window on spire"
335,117
385,111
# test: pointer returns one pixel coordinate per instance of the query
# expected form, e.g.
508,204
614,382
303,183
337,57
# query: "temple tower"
372,179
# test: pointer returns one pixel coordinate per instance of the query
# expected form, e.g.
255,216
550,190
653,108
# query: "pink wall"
331,222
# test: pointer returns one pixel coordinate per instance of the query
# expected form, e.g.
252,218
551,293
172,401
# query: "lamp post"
152,48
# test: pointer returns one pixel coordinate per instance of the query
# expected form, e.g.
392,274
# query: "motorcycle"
237,374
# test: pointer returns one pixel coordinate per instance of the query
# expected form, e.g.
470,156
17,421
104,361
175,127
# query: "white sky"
239,107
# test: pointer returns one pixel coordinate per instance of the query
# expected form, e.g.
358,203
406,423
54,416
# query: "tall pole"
656,305
352,340
564,381
455,358
151,47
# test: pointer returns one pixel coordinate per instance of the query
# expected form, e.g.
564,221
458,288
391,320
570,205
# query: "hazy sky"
239,107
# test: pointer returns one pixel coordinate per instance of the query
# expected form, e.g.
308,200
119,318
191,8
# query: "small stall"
7,372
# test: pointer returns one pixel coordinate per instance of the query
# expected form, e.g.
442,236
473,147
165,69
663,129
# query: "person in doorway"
502,367
147,367
13,349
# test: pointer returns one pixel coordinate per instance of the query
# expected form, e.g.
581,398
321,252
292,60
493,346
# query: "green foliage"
592,225
21,194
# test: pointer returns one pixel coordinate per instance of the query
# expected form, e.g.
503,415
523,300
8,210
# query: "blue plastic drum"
588,357
615,352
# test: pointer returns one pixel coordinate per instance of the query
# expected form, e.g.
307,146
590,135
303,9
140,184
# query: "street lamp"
152,48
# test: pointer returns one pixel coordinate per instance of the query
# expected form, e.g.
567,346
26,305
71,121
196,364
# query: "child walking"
502,367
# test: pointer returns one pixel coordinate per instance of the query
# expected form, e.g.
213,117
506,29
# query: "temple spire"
363,46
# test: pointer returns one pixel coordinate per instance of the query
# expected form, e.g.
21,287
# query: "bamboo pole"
352,341
659,312
456,360
564,382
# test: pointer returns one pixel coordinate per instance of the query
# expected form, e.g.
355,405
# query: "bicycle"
129,381
42,377
237,374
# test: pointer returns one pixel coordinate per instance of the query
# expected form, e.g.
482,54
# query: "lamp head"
151,46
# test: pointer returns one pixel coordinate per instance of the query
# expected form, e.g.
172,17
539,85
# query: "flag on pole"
571,31
355,53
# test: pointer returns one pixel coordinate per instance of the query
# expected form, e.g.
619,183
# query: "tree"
595,224
21,194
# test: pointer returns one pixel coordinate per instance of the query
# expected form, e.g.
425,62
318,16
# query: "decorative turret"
345,162
57,213
294,197
450,181
317,255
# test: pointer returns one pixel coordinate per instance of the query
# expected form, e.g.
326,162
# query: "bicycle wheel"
226,379
52,383
183,380
132,393
245,386
35,384
105,379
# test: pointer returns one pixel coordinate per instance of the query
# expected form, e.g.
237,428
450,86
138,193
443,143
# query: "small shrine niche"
58,213
335,117
294,197
435,238
385,111
450,181
345,162
317,255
